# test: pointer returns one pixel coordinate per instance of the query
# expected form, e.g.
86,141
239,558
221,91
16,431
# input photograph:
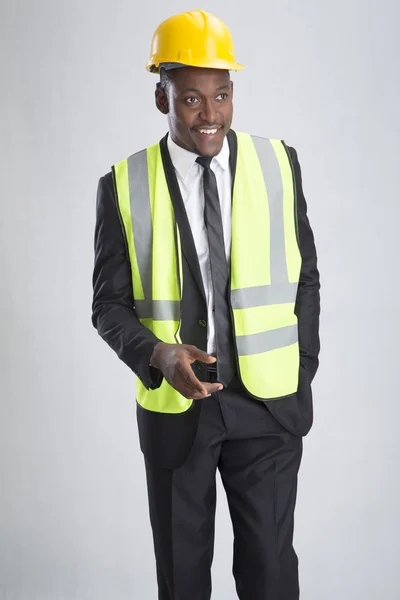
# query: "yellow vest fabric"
265,265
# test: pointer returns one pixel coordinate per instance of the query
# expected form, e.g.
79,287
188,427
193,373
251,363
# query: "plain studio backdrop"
75,99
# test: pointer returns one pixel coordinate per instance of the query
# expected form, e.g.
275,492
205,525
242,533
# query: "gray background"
75,99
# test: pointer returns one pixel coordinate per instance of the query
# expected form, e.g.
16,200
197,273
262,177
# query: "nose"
208,113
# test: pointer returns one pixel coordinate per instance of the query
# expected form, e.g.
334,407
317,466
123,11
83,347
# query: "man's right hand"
175,360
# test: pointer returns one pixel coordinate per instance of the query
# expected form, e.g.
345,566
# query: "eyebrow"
221,87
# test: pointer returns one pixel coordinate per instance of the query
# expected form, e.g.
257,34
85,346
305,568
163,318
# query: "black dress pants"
258,461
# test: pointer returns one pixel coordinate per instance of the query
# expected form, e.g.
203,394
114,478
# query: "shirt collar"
183,160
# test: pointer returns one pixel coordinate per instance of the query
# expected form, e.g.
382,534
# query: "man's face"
199,106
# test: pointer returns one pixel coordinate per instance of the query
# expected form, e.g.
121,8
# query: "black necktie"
219,274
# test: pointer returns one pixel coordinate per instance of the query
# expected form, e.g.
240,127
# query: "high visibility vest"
264,274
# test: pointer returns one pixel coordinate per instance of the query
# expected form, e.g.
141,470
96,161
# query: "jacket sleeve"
113,313
307,306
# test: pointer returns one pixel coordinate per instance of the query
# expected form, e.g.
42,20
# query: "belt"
208,372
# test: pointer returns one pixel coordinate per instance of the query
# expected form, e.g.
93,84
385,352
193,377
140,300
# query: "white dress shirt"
190,179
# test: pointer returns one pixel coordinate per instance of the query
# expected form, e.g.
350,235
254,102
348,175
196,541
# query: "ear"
161,101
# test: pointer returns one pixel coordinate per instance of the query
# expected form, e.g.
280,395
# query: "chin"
209,148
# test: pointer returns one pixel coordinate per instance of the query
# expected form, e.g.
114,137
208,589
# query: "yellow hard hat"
195,39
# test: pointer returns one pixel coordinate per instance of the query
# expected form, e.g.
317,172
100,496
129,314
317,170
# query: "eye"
222,96
191,100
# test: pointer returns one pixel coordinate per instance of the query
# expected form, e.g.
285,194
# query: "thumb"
200,355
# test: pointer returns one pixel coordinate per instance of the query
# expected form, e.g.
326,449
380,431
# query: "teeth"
208,131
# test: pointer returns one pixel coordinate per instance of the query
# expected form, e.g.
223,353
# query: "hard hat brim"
153,66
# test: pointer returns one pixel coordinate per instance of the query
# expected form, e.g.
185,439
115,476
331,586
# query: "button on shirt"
190,179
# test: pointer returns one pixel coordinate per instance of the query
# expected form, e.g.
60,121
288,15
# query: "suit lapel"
232,142
187,242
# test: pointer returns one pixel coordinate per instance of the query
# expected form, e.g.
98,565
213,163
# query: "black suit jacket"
167,439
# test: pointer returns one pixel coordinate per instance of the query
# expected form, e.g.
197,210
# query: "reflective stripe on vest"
265,265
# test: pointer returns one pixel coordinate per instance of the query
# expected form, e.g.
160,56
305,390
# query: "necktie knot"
204,161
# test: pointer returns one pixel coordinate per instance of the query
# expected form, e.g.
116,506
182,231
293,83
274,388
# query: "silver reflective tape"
266,341
158,310
273,182
141,217
264,295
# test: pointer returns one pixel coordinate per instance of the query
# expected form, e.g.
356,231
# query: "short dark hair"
165,80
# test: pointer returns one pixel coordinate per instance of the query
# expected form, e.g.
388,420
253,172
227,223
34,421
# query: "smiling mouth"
209,131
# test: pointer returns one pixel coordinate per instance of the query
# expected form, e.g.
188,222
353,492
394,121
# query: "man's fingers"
205,390
189,386
200,355
213,387
200,396
186,378
186,382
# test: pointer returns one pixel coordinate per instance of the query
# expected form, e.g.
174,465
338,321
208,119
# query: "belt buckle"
211,372
211,368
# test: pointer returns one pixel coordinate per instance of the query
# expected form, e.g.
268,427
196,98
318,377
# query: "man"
206,286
